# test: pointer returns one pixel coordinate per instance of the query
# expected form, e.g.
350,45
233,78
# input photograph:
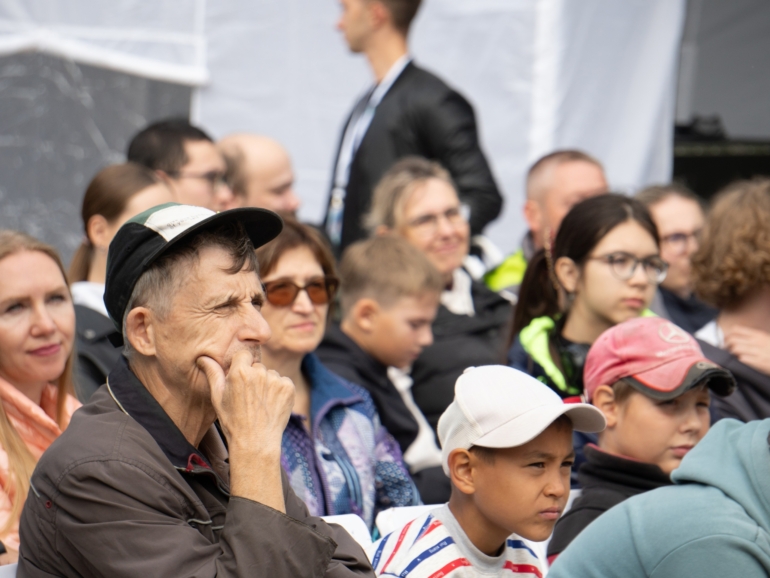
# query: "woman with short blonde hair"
417,201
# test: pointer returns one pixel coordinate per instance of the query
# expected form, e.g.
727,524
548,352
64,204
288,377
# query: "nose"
42,323
639,276
692,422
255,328
223,197
302,303
558,486
692,245
426,337
292,201
444,226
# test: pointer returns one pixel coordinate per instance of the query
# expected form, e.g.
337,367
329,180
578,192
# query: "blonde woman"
37,327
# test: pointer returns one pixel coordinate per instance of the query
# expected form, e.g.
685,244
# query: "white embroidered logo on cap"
173,221
670,333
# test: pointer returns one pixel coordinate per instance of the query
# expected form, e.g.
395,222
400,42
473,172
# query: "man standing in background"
408,111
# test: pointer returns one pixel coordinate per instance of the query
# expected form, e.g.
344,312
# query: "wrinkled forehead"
211,271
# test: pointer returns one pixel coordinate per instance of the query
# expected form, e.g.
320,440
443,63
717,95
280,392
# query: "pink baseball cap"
658,358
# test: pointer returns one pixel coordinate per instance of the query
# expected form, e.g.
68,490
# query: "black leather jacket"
420,115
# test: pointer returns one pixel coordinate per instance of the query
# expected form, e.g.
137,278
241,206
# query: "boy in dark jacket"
389,294
652,382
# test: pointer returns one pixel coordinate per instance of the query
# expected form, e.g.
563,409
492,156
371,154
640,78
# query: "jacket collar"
345,348
602,467
326,389
135,401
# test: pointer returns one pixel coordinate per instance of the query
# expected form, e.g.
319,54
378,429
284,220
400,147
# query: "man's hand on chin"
253,406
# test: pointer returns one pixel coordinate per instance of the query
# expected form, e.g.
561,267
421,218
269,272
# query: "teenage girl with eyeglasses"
603,268
338,456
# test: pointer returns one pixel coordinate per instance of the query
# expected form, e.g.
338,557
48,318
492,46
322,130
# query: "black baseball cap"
151,234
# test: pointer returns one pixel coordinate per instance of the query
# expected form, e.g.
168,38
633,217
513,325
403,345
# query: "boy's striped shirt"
434,545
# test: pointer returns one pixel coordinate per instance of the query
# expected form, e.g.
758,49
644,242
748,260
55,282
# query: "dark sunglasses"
283,292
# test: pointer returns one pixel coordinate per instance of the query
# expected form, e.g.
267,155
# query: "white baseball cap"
500,407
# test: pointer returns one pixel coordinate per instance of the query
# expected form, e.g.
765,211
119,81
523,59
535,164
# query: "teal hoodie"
714,522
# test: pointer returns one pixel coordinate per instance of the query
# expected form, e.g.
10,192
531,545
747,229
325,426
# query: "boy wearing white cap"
507,447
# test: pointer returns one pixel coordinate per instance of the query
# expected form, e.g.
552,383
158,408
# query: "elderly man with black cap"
173,468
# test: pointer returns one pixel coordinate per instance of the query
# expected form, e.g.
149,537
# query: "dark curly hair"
734,255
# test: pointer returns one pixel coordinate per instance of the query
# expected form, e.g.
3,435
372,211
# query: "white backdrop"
594,74
542,74
162,40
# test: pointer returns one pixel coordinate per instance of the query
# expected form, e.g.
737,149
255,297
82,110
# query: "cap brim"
261,226
526,427
719,380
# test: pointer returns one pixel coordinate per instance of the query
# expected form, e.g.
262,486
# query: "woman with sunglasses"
604,268
338,457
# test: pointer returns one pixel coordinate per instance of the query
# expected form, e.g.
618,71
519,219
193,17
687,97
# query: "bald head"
555,184
260,173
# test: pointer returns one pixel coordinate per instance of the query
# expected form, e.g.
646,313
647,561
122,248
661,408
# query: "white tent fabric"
542,74
158,40
608,84
595,74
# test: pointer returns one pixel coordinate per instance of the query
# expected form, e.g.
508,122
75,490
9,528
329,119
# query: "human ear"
365,313
378,13
604,399
140,330
382,230
98,232
533,214
568,273
461,470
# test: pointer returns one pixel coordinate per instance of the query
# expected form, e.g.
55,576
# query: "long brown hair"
581,230
21,462
107,195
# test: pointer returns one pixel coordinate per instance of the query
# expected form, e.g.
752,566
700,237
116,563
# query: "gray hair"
397,185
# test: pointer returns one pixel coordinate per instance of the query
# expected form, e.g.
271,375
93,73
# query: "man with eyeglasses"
678,214
187,160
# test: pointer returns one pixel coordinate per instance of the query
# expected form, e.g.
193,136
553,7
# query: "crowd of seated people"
244,393
246,379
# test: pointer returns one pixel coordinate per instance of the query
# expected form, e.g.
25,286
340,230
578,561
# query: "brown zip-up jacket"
122,493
